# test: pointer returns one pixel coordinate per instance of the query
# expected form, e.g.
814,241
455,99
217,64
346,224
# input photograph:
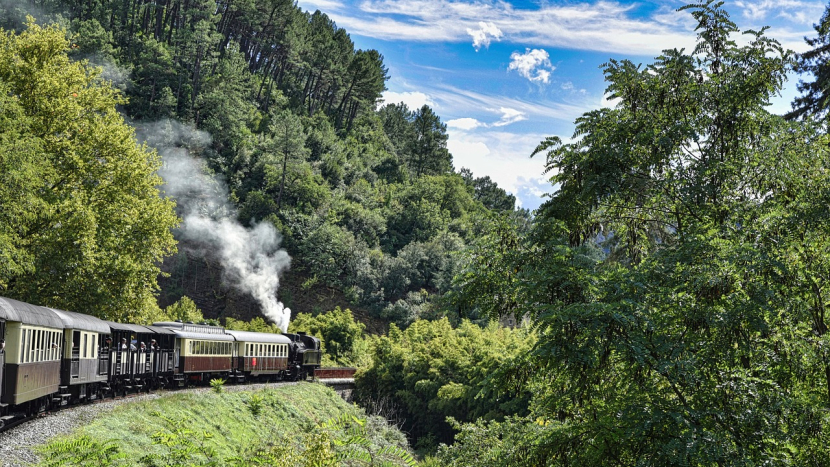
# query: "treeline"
175,49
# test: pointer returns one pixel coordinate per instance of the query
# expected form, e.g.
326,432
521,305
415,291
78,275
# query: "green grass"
286,412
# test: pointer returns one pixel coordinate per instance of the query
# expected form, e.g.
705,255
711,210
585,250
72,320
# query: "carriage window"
32,345
85,345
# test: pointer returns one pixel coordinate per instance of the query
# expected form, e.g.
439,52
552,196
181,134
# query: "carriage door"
75,363
2,356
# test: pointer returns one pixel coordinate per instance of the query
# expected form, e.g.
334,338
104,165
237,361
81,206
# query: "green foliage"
185,310
195,431
432,371
183,446
814,100
90,228
255,404
675,279
493,444
218,385
488,193
487,284
84,451
342,337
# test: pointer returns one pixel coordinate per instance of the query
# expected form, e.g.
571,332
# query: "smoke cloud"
252,258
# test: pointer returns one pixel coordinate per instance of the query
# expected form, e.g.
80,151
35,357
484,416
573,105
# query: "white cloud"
464,123
412,99
509,116
484,34
534,65
505,157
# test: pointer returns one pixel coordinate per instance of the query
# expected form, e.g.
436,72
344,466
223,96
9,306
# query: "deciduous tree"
88,228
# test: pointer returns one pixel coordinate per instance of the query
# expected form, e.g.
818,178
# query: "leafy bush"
342,336
432,371
255,404
84,451
218,385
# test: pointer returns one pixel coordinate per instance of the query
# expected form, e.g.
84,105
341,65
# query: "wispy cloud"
454,98
533,64
601,25
484,34
796,11
606,26
508,116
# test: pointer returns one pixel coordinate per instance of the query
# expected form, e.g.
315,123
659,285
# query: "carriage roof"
13,310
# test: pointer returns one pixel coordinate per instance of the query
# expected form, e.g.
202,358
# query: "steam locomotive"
50,357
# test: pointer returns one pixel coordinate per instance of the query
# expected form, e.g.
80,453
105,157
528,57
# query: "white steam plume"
252,258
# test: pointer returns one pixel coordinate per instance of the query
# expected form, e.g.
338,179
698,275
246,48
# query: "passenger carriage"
31,361
84,371
164,360
131,367
260,355
202,351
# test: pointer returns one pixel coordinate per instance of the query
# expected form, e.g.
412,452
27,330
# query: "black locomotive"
50,357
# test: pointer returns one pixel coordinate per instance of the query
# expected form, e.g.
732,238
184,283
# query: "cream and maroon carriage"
260,356
201,351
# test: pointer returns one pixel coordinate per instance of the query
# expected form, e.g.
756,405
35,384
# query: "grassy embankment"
281,422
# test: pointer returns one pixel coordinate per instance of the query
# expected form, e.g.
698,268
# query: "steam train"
50,357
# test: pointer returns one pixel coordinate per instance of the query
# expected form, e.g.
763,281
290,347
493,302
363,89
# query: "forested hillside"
366,198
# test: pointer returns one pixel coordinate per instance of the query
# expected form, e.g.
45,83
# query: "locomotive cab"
304,355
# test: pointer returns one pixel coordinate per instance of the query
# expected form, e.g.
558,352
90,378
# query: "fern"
84,451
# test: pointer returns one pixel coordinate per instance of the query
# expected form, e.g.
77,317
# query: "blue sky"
503,75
